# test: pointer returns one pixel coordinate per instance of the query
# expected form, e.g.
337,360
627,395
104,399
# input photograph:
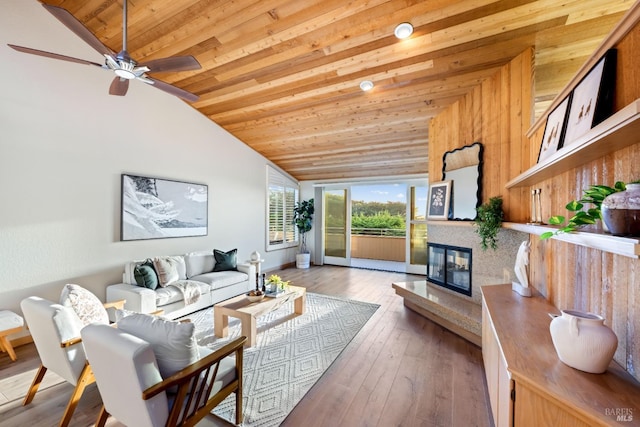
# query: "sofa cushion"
169,269
146,275
225,261
198,263
85,304
221,279
173,343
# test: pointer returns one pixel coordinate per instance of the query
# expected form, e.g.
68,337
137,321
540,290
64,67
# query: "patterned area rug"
291,354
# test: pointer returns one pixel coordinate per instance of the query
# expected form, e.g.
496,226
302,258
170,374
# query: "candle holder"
536,207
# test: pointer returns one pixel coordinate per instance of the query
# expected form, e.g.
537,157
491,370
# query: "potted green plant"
594,195
489,221
302,218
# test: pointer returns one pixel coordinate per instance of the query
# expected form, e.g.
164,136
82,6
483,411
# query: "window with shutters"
282,194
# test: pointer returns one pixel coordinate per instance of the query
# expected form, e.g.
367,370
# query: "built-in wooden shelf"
618,131
451,223
627,246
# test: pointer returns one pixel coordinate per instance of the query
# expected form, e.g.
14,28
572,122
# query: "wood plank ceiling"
283,75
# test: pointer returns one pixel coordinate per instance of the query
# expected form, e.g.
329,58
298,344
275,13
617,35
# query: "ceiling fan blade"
53,55
187,96
119,86
173,63
80,30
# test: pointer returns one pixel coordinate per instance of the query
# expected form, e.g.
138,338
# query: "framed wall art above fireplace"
155,208
439,199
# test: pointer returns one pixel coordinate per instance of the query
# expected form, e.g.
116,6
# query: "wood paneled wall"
498,114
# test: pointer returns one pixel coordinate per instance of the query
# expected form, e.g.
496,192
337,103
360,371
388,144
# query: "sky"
382,193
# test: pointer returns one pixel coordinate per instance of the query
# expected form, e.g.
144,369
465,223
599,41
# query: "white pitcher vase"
583,341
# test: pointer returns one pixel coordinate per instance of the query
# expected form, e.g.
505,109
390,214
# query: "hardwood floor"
400,370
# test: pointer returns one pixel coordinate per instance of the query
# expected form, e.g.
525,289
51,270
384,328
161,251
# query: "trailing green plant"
594,195
302,218
489,221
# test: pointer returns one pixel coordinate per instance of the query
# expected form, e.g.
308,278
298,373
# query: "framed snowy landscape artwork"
154,208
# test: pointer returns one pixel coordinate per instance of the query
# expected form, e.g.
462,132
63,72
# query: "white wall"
64,142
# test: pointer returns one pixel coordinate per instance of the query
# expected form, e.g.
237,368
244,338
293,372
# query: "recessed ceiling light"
403,30
366,85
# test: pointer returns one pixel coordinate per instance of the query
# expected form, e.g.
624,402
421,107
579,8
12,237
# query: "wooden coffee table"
240,307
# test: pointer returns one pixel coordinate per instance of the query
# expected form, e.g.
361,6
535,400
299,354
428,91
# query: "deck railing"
386,248
371,243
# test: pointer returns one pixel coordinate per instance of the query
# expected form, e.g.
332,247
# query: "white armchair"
55,330
134,392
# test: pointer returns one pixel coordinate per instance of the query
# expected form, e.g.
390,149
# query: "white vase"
303,260
583,341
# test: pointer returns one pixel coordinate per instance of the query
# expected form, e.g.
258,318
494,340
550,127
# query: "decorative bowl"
255,298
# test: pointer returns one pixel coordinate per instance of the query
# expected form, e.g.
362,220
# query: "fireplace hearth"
449,267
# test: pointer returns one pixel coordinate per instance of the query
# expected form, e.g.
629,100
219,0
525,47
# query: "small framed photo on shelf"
592,98
554,130
439,200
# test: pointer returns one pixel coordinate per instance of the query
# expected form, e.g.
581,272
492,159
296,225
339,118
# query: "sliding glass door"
378,226
417,220
337,226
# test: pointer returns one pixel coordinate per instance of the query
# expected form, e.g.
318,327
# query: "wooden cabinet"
529,386
499,382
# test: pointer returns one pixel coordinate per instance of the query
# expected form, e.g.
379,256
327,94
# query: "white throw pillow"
198,263
168,269
86,305
174,343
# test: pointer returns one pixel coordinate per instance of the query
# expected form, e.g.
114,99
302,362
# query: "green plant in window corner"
594,195
489,221
303,219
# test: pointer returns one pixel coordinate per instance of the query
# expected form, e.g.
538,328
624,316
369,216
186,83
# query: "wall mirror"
463,166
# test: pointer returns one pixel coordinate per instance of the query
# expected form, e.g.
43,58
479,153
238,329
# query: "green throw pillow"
225,261
145,275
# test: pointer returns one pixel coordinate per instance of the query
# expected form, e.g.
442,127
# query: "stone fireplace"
451,294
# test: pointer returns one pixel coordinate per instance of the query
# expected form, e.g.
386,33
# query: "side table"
10,323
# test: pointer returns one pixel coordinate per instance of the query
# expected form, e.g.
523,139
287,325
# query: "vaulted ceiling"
283,75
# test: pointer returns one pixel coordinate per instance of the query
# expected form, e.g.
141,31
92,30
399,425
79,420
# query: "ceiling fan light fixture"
403,30
125,74
366,85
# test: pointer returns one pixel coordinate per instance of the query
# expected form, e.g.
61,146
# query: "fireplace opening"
449,267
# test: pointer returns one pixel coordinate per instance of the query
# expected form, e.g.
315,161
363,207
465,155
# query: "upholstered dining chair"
55,330
134,392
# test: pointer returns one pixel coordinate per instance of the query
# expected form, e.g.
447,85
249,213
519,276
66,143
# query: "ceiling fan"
121,63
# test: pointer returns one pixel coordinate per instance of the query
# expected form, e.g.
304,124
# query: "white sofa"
197,268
